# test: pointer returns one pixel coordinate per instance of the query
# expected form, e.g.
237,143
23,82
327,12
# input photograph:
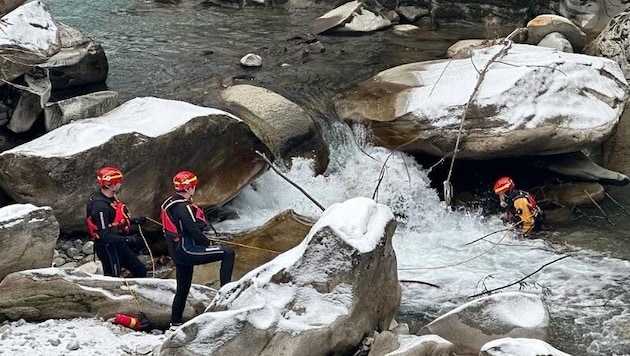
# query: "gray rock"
414,108
287,129
27,237
148,145
79,107
613,42
251,60
388,343
19,53
480,321
519,346
541,26
56,293
343,267
558,41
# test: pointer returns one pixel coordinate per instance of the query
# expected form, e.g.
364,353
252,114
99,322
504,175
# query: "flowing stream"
182,51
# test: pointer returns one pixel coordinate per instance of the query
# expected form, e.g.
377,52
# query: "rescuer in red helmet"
183,223
109,223
521,207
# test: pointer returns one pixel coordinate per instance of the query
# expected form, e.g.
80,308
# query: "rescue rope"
242,245
225,241
133,294
507,43
492,233
148,249
460,262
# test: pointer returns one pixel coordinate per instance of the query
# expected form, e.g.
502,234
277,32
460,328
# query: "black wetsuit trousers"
184,274
115,256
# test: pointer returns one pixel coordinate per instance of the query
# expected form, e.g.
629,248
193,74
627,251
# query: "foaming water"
173,51
586,293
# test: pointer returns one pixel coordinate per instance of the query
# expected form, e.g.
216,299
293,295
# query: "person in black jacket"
183,223
109,225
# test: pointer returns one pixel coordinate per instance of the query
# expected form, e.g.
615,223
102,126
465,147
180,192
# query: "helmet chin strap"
111,189
502,201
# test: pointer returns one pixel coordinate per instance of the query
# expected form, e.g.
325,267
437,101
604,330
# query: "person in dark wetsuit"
109,223
183,223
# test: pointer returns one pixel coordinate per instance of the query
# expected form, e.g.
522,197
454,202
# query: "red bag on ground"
139,323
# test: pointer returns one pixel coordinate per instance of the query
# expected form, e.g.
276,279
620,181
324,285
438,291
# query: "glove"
143,322
138,220
132,240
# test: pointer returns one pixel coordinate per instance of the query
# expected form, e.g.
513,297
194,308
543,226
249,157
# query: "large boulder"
590,15
353,16
34,95
29,37
388,343
57,293
613,42
28,235
149,139
319,298
80,60
527,96
519,346
282,125
581,167
482,320
543,25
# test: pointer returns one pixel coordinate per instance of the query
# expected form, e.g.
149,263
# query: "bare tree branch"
290,181
599,207
490,291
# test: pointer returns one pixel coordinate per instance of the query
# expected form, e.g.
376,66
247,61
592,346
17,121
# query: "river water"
182,51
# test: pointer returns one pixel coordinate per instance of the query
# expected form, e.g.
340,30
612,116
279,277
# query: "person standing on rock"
109,224
184,223
521,208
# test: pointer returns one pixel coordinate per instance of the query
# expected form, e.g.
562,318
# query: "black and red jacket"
181,219
107,219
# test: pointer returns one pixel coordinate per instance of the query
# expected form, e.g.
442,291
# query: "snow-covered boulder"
388,343
319,298
510,314
28,235
613,42
519,346
58,293
28,36
531,101
353,16
149,139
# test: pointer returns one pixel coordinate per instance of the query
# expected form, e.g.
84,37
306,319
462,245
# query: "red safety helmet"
107,176
503,185
184,180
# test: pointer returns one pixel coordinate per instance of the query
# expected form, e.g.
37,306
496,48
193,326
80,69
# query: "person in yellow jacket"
521,208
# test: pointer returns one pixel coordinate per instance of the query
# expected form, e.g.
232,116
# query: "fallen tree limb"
520,280
290,181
